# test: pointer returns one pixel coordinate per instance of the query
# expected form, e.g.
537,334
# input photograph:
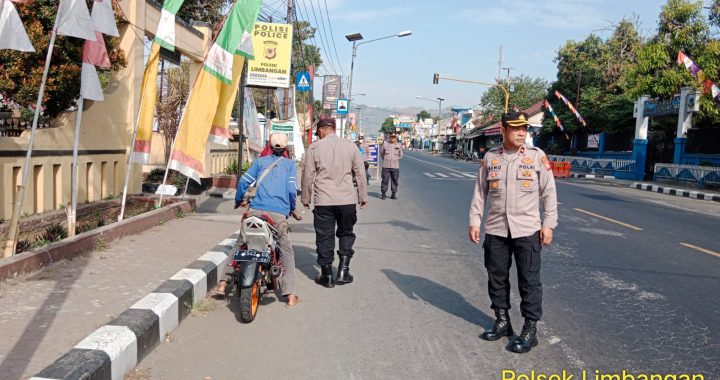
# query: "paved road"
621,293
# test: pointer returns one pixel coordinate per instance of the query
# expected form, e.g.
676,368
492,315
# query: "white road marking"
430,175
456,175
441,175
470,175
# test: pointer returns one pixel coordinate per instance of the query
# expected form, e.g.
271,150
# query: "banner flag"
103,18
12,32
164,37
214,91
74,20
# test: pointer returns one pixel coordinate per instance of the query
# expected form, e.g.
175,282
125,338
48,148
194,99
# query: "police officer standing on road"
391,153
328,170
515,179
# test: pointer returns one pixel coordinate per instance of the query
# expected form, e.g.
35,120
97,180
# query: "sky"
457,38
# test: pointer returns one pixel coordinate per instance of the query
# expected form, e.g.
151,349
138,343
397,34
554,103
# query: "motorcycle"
256,264
474,157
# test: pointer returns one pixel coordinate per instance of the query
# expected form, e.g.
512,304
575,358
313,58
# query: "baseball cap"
278,140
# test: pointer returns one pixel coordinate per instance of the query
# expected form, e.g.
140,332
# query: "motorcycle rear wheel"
249,302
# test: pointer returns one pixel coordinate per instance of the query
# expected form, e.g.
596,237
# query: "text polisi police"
272,31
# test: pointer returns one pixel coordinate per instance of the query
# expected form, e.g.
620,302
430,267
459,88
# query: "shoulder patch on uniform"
545,162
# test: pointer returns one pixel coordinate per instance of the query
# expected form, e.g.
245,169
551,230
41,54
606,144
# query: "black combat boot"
383,196
344,276
502,326
393,196
325,278
527,339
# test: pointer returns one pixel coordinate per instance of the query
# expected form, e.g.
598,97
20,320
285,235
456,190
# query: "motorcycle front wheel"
249,301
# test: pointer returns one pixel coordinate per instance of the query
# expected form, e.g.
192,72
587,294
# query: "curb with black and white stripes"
676,192
116,348
575,175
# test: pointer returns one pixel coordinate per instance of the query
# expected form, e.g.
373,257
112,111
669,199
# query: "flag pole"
72,212
129,164
172,148
14,231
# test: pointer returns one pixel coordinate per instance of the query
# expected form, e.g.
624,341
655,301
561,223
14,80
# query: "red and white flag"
12,32
74,20
103,18
94,54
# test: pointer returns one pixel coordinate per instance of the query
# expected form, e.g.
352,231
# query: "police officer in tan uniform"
391,152
329,167
515,179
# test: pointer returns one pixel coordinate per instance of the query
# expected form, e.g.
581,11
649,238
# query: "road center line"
609,219
699,249
432,163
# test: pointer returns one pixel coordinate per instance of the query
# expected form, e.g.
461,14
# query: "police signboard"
302,81
342,106
273,49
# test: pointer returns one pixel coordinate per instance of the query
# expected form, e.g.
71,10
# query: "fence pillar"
640,156
679,150
601,144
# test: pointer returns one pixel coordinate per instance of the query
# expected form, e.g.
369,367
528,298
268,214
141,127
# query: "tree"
172,102
388,126
681,26
423,115
527,91
21,72
211,11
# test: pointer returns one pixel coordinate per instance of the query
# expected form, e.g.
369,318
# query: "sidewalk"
44,315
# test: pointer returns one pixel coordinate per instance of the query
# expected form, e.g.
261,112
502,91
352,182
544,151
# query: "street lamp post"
354,38
439,102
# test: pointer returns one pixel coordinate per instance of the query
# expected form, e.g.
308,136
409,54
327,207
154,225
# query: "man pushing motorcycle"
272,180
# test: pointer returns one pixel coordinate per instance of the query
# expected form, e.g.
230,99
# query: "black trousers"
326,218
387,175
499,252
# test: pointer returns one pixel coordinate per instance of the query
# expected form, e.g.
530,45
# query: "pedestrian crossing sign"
302,81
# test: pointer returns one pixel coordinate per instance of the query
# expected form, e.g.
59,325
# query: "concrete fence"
700,176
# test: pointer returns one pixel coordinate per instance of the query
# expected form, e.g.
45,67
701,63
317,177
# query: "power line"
322,40
332,35
322,20
327,62
314,41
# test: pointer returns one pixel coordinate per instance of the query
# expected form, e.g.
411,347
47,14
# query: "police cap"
515,119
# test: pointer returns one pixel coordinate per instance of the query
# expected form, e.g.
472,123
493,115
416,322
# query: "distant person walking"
391,152
327,182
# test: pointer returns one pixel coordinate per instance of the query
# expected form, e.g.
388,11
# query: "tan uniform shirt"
391,155
514,188
327,178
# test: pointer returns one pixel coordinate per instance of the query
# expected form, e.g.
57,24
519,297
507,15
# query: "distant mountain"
373,116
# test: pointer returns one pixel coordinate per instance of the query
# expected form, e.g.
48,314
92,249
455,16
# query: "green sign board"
282,128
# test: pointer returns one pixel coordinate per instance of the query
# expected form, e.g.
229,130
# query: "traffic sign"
342,106
302,81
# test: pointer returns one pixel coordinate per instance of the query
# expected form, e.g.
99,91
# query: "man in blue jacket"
275,197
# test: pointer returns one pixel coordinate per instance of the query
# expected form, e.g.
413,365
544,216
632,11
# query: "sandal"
220,288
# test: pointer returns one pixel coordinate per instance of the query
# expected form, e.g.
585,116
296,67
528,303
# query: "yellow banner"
209,98
220,131
273,50
141,150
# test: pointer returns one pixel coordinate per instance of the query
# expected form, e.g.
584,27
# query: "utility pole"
286,98
508,74
500,64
